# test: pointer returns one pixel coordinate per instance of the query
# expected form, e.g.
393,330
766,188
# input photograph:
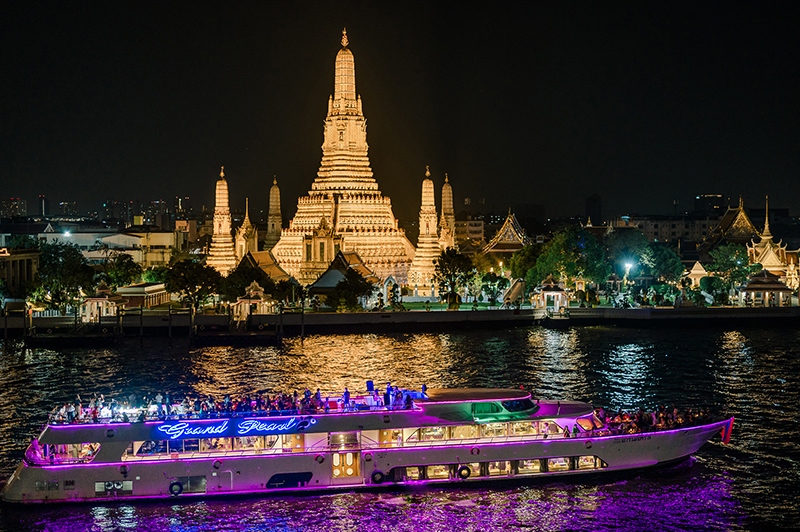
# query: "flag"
726,431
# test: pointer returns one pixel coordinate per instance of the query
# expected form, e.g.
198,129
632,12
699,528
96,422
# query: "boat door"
346,467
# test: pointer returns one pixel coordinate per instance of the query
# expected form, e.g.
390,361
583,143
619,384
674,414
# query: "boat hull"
425,463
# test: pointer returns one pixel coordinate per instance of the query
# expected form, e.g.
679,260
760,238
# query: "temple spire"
766,234
345,42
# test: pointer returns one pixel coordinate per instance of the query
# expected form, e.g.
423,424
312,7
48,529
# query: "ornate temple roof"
511,237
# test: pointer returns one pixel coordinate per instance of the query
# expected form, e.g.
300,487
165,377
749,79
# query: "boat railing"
140,416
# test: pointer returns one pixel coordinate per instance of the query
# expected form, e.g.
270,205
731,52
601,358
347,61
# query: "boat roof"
458,395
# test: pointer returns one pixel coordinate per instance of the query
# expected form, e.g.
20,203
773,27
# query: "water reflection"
752,374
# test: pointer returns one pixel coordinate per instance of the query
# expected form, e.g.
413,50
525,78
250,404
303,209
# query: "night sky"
546,103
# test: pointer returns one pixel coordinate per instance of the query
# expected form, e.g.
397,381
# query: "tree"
453,271
347,292
572,253
628,249
121,269
63,274
667,265
493,285
156,274
237,281
524,260
731,264
193,281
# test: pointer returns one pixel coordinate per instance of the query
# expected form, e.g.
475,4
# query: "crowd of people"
661,418
133,408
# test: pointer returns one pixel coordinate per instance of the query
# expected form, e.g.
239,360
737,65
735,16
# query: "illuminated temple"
344,210
222,256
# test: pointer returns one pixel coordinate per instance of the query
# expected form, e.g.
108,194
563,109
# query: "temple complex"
422,268
734,227
344,210
773,256
274,218
222,256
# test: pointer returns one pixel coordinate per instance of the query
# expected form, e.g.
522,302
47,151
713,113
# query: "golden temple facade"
344,206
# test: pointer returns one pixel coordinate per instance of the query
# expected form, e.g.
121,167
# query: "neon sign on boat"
248,426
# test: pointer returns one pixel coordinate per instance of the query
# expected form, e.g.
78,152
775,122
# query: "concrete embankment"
220,329
684,317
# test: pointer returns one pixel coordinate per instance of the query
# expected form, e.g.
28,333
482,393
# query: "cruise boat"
432,437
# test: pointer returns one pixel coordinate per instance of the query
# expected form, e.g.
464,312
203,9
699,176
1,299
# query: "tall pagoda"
345,195
222,256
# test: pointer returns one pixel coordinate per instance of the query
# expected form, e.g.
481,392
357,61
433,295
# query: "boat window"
530,466
549,427
194,484
438,471
248,442
464,431
498,468
432,433
390,437
518,405
589,462
523,428
413,473
485,408
150,447
343,440
69,453
474,469
492,430
215,444
585,423
558,464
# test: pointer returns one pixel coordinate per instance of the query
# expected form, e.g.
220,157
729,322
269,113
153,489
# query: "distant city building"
44,205
222,256
13,207
344,198
469,230
669,228
712,205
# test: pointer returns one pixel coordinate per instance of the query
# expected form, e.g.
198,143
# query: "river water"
750,484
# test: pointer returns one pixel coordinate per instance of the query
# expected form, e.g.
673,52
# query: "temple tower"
274,217
447,224
221,257
422,268
246,235
345,194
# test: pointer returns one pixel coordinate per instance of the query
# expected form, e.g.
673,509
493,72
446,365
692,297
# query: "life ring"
474,451
319,458
260,327
176,488
588,445
217,464
378,477
202,327
368,457
49,331
109,486
124,470
118,485
110,433
464,472
105,330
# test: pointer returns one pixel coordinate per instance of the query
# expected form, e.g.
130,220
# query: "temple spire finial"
222,171
766,233
427,171
274,180
741,203
345,42
445,177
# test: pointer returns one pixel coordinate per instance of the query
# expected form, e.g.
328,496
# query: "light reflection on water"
752,374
